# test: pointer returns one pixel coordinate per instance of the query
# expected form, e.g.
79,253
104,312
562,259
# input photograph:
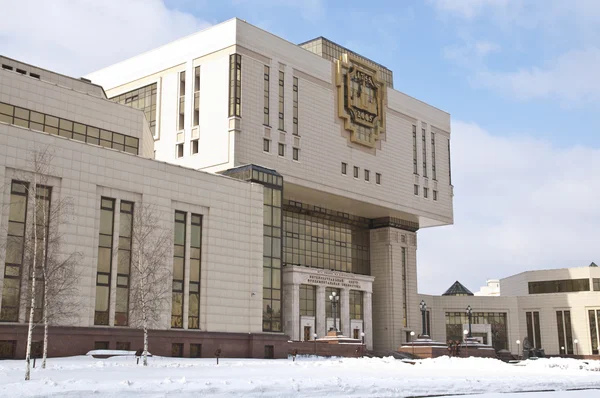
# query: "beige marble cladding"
231,278
518,285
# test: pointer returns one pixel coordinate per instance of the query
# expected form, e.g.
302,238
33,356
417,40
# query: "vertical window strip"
267,90
181,104
281,101
356,304
449,165
405,284
15,242
594,330
103,272
433,168
195,268
143,98
272,245
235,85
196,118
124,264
295,132
536,329
415,168
178,269
307,300
424,144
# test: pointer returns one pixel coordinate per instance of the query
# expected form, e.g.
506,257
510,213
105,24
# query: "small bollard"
218,354
34,362
294,353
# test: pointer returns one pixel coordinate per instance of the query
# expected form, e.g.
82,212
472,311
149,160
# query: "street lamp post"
465,332
469,311
362,336
423,307
315,339
334,298
519,349
412,335
575,342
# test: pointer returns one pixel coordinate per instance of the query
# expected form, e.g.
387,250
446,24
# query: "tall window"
415,167
281,101
565,336
594,316
449,165
195,249
181,105
533,328
143,98
404,288
307,300
424,144
105,247
433,168
295,132
178,270
124,264
196,96
272,217
14,252
267,90
42,208
235,85
356,304
329,305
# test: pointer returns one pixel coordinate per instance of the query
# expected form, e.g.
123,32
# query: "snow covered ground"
315,377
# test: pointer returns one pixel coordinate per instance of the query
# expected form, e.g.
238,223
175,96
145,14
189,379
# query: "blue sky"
519,77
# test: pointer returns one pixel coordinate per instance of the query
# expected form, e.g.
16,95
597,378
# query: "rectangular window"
195,350
424,144
449,165
272,248
103,272
533,328
196,118
178,269
344,168
404,288
124,264
355,172
194,146
596,284
181,104
565,337
295,132
179,150
377,178
123,345
281,101
143,98
559,286
356,304
295,153
195,270
308,300
416,190
367,175
15,243
281,149
177,350
415,168
266,145
235,85
594,318
435,193
433,168
425,192
267,90
7,347
101,345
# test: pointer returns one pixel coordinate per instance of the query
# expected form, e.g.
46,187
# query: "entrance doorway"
307,333
356,334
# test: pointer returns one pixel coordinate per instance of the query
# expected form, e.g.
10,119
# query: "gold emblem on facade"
361,99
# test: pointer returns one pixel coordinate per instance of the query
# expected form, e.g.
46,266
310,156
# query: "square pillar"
295,312
320,320
345,311
368,319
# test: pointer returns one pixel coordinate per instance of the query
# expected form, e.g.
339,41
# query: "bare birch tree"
151,274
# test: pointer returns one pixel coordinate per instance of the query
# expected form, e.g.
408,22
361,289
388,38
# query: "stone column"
320,319
186,270
112,306
295,314
368,319
345,312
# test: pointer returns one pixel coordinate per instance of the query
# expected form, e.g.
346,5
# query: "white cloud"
520,204
470,54
75,37
572,79
310,10
469,9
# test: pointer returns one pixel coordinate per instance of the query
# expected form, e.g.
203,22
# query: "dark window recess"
195,350
177,350
344,168
7,67
7,347
21,71
179,150
34,75
194,147
355,172
266,145
559,286
269,352
124,345
101,345
281,149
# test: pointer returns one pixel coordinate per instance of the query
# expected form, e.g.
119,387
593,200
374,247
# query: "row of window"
563,286
143,98
424,154
21,71
281,149
66,128
426,192
194,148
367,173
308,299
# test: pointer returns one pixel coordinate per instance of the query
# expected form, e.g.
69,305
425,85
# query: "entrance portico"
314,315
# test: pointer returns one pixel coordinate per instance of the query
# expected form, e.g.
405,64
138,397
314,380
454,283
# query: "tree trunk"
45,275
33,275
144,314
45,322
